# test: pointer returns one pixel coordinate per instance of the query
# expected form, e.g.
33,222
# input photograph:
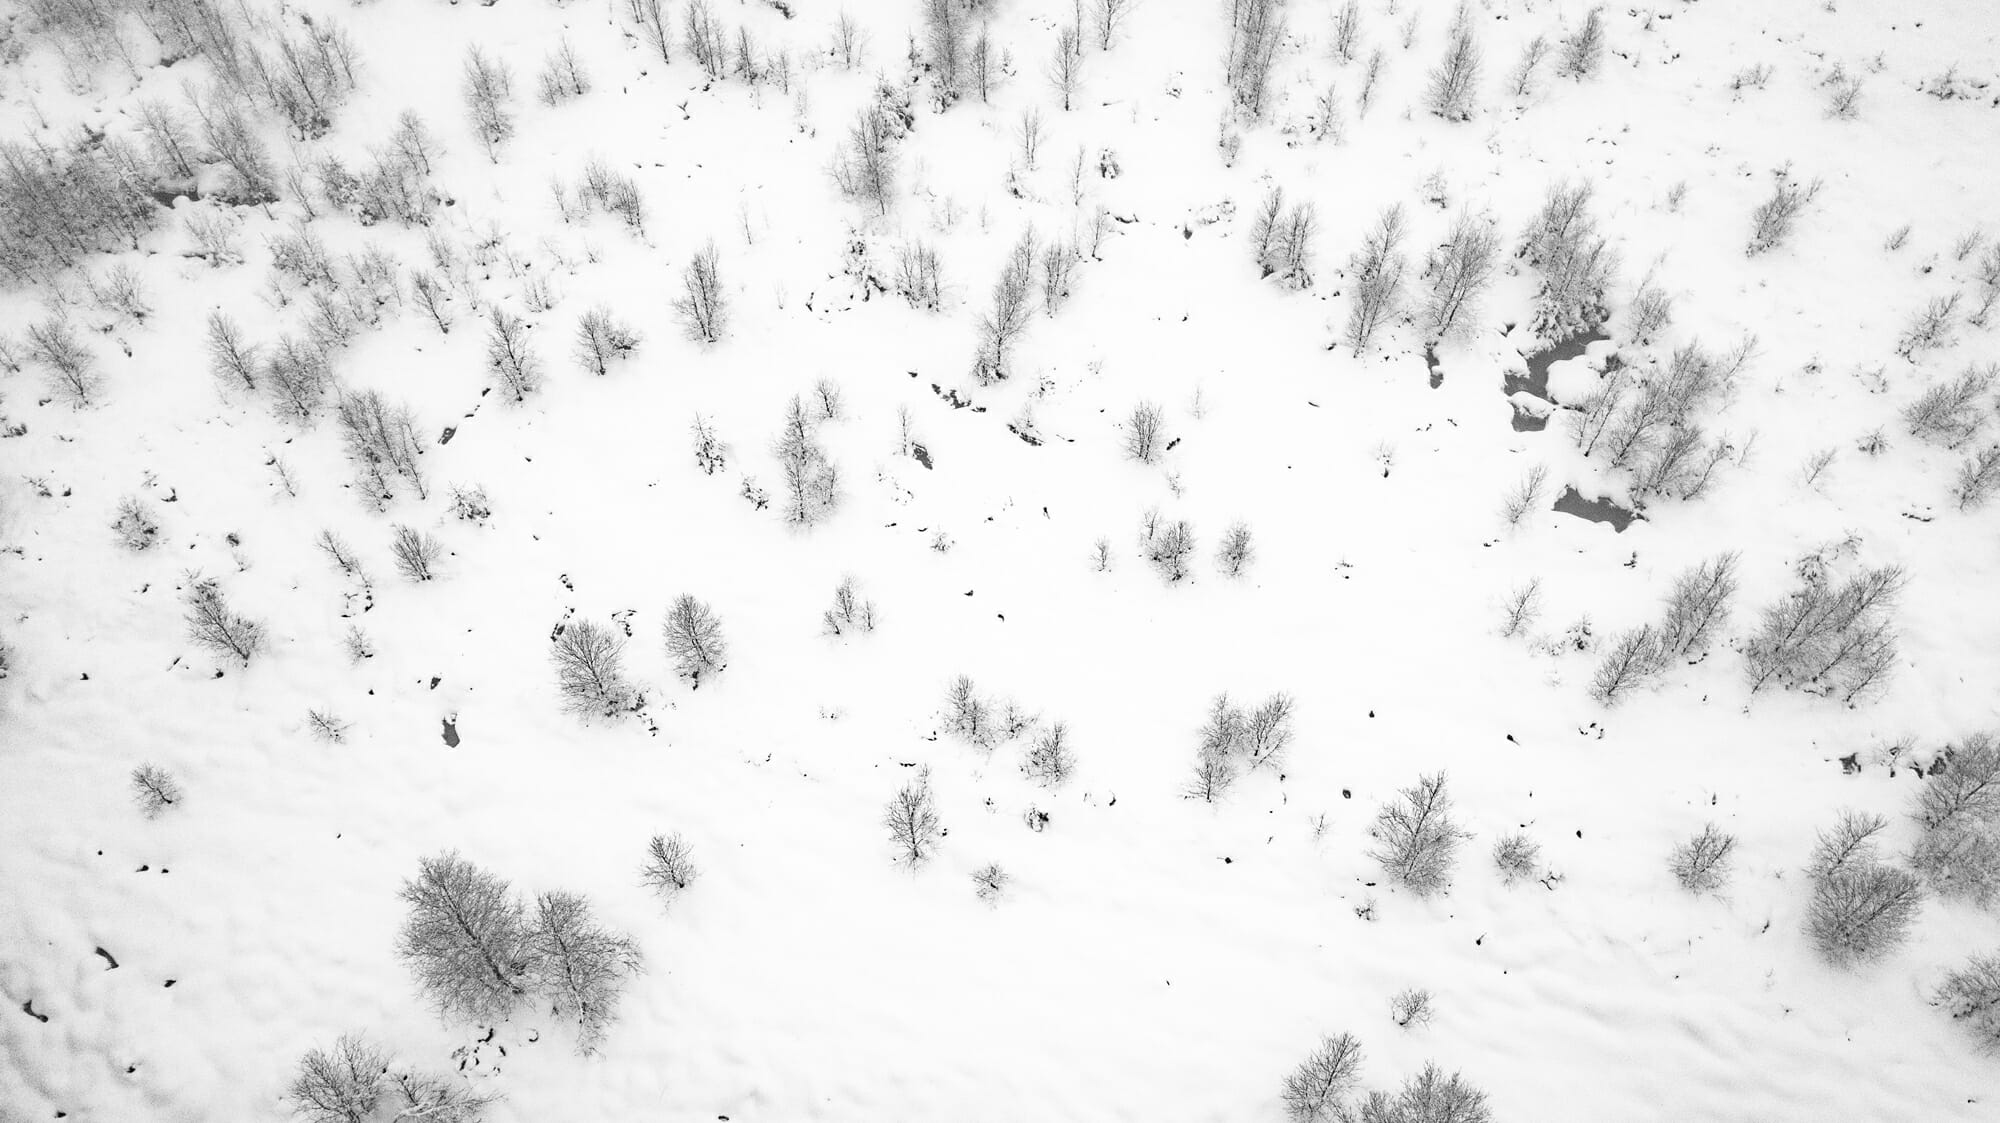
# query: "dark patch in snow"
108,959
922,454
435,679
450,733
1437,371
1850,764
1572,502
28,1008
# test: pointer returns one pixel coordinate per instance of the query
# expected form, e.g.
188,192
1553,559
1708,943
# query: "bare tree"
710,454
1521,82
1860,908
967,715
1256,30
1266,732
1066,65
865,167
848,41
467,939
1170,548
911,818
1058,270
213,626
488,89
1958,815
1001,328
602,340
1828,639
509,357
1454,83
1347,31
580,965
1524,607
850,612
1575,263
1378,279
1144,435
590,671
1214,773
71,365
1235,552
155,789
1526,496
1949,412
416,553
563,75
1050,759
918,277
1583,52
1458,272
1416,841
1771,223
694,638
1698,607
669,868
432,1098
1633,660
651,16
1317,1091
341,1086
702,306
230,358
812,481
704,36
1972,994
1977,478
990,881
1428,1097
1517,857
135,526
1701,864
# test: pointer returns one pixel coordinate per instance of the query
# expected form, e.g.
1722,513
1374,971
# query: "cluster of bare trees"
1861,908
851,612
607,191
59,205
1234,740
382,441
603,339
1697,610
1971,994
1827,638
1644,418
1575,263
355,1081
563,76
488,86
1457,272
1256,31
1953,413
1281,240
1168,544
702,305
478,953
1322,1090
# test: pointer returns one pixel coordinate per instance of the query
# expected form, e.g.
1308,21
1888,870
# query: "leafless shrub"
1523,607
1521,80
1828,639
489,88
580,965
1411,1007
1316,1091
1972,994
343,1086
1751,77
135,526
467,939
912,820
1144,432
865,167
326,726
1170,547
1977,478
1416,841
1949,413
1517,857
155,789
1632,660
1583,51
1526,496
848,41
433,1098
1454,83
1428,1097
968,716
990,881
416,553
1701,864
918,277
669,868
71,365
1058,274
213,626
1236,551
1698,607
710,454
589,662
382,441
1347,31
1652,310
1860,908
602,340
1100,555
1265,733
1377,272
1771,223
563,75
342,555
1844,102
1458,272
1050,760
1958,815
704,37
1575,263
1213,774
510,358
1002,328
702,306
1930,328
850,612
356,644
1371,77
694,639
812,481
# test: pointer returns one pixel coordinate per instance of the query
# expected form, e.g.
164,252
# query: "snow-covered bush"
1050,759
1972,994
1416,839
71,366
990,881
136,526
1428,1097
1583,51
1236,551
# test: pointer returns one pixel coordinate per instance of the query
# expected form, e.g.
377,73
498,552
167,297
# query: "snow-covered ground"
1153,956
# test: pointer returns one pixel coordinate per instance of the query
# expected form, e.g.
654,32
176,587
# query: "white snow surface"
1155,957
